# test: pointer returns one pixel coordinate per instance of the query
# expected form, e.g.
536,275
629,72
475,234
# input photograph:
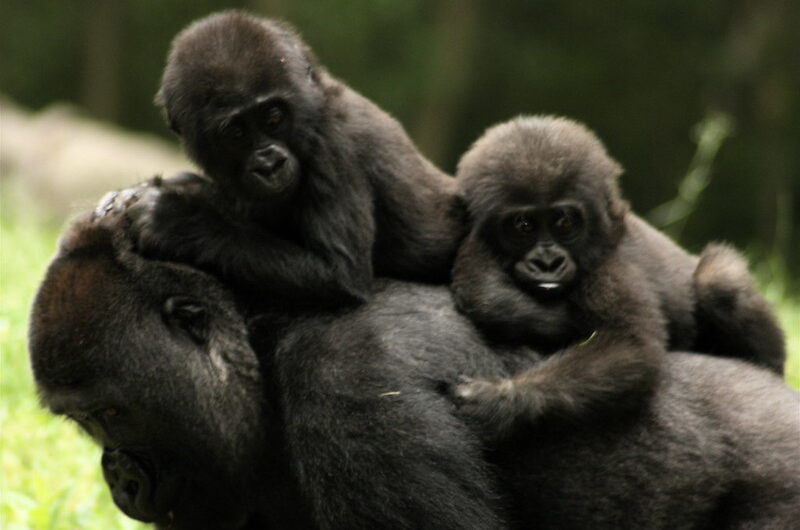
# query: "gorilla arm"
614,369
330,266
733,318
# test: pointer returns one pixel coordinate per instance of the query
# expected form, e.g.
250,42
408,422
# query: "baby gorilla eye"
232,131
274,117
565,225
523,224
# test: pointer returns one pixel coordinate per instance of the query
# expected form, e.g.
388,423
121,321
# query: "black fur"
341,422
556,261
314,186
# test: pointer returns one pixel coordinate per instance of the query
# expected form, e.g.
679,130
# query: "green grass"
50,474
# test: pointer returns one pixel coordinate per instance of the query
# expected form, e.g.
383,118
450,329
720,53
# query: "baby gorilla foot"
491,404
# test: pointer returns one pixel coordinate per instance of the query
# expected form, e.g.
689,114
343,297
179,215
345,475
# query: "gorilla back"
342,421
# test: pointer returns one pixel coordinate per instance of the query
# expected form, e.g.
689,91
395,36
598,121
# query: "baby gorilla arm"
613,370
171,220
733,318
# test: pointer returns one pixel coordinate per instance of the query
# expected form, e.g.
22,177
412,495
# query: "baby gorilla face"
543,192
242,94
538,242
251,151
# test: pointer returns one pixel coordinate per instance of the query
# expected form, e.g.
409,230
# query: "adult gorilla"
341,421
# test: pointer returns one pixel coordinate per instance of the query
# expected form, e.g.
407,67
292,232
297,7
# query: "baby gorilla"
555,261
313,185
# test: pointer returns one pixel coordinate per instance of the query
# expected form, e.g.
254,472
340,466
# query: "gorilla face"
543,196
251,151
146,357
538,244
242,94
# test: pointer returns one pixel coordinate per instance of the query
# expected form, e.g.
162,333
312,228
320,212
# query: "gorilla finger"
105,205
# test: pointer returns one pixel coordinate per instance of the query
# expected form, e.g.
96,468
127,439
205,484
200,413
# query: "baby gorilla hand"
490,403
133,208
141,214
116,202
156,213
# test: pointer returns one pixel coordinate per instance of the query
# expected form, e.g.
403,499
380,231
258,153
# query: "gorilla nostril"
547,265
131,488
271,158
277,163
537,264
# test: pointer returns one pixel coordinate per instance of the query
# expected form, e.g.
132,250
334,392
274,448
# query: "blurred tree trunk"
101,94
759,89
448,75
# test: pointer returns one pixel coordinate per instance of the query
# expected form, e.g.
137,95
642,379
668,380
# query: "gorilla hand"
489,404
155,213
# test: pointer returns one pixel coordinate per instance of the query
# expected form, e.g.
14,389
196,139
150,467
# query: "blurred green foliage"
642,74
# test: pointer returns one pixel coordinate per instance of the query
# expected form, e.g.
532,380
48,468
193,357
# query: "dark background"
643,75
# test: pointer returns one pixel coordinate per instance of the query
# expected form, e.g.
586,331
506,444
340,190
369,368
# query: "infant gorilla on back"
556,261
314,187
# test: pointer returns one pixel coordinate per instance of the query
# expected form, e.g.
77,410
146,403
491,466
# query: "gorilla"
342,419
313,185
556,261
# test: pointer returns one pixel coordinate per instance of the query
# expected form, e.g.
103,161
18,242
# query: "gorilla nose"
271,158
131,487
548,264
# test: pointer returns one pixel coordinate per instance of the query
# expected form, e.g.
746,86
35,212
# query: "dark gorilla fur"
341,422
314,185
556,261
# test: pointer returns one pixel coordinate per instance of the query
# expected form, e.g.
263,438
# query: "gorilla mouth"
132,484
273,180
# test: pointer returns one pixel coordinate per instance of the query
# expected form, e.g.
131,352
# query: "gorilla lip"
276,181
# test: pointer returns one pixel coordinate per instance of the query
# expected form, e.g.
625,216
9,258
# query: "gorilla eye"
233,132
565,225
523,224
274,117
189,315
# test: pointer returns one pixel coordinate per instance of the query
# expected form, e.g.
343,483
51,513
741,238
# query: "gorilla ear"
161,101
188,315
173,125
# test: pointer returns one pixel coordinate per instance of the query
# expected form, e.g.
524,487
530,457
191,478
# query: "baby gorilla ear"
173,125
188,315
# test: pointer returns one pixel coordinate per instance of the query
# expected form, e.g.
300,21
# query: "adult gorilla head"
149,360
